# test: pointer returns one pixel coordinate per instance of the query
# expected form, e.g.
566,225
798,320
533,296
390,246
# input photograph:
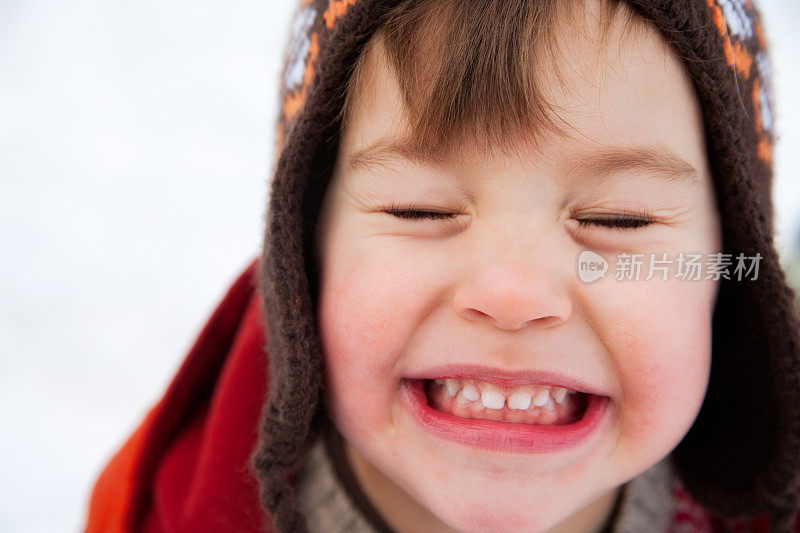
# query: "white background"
136,140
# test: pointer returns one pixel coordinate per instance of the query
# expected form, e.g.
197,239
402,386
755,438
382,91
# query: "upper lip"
507,378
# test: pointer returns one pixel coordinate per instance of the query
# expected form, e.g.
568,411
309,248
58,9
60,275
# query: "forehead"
627,90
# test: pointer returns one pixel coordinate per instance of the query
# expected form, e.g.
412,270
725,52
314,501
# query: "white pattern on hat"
739,23
765,89
298,47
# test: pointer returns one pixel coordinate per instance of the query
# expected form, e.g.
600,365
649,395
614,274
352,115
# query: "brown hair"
483,88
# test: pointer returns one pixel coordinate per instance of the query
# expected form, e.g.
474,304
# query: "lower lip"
503,436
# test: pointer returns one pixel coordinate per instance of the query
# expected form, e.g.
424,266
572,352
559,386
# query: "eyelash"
410,213
625,221
621,222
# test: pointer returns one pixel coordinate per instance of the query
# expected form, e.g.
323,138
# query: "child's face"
496,289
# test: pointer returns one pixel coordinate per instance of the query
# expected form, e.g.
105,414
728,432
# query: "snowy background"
135,145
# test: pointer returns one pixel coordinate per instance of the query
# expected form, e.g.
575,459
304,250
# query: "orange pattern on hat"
742,60
336,9
294,101
719,19
756,96
279,138
764,144
765,150
759,30
736,54
726,46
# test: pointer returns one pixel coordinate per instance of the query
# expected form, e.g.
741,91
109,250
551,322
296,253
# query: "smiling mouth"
540,405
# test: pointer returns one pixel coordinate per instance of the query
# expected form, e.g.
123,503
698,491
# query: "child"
458,335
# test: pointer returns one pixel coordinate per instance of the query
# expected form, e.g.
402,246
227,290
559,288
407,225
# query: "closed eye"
626,221
416,214
411,212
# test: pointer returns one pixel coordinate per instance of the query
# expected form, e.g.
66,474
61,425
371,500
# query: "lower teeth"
568,413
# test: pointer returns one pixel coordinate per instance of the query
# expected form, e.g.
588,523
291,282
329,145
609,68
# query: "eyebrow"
657,161
388,150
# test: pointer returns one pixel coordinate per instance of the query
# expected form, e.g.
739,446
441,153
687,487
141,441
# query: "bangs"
472,72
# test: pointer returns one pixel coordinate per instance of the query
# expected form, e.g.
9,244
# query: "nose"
511,294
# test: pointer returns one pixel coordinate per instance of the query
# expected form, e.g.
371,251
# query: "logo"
591,266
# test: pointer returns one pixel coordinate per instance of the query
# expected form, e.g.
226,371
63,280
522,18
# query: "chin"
506,511
478,518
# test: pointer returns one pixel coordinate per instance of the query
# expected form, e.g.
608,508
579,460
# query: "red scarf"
186,467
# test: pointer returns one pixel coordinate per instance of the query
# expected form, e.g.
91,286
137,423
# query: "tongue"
567,413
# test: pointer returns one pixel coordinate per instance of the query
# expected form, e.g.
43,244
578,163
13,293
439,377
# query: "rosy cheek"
359,342
356,316
663,356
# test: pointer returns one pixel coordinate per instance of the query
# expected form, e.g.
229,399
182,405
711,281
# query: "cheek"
369,307
660,342
356,346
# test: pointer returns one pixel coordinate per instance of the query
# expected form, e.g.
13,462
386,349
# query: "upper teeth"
470,390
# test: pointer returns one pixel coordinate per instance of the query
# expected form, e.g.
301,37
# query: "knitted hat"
742,454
